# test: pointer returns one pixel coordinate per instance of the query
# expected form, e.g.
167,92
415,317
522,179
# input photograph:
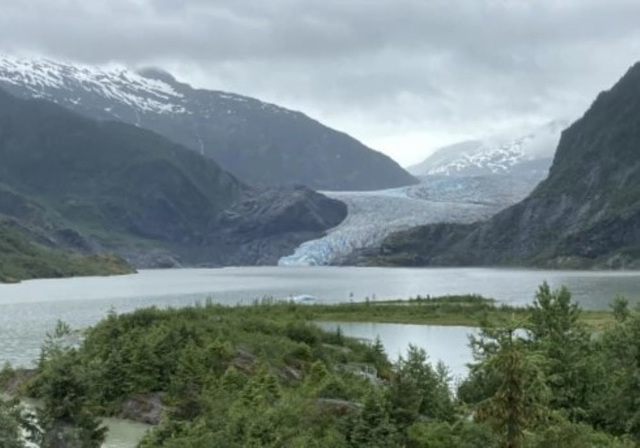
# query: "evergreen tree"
372,427
520,401
555,330
232,380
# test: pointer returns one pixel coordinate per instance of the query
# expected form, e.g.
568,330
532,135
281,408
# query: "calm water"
30,309
442,343
122,433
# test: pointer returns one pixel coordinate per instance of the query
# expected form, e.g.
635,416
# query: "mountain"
528,154
92,187
21,259
260,143
585,214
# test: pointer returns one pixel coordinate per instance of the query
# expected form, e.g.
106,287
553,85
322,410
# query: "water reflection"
442,343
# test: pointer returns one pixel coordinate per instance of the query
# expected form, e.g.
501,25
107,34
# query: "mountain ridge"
585,214
498,154
93,187
259,142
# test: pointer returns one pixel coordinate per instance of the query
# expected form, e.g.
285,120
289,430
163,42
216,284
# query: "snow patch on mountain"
147,91
258,142
498,154
44,77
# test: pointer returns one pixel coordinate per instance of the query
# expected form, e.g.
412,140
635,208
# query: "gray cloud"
403,75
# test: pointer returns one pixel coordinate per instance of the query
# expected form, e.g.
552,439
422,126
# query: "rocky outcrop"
269,224
143,408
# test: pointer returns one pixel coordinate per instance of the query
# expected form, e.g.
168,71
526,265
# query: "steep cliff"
586,213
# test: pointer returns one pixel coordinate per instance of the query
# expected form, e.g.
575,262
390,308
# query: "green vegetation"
464,310
21,260
264,376
108,179
12,424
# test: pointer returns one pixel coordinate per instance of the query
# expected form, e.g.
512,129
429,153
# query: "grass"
465,310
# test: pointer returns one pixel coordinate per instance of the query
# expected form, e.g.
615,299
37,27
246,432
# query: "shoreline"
466,311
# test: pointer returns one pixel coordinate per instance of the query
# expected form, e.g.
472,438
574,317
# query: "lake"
29,309
121,434
454,353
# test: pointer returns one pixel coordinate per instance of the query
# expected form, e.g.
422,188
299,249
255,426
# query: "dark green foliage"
571,435
12,424
555,330
620,308
372,426
20,259
223,373
462,434
520,399
417,390
263,376
615,404
66,418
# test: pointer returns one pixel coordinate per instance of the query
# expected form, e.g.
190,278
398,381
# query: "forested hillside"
96,187
20,259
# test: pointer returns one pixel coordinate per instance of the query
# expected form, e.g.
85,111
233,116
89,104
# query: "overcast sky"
403,76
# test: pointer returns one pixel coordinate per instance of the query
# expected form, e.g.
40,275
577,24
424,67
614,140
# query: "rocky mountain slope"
89,186
260,143
586,213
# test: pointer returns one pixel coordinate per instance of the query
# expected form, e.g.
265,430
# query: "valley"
299,224
375,215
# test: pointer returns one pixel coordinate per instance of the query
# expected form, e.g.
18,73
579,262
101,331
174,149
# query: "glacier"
374,215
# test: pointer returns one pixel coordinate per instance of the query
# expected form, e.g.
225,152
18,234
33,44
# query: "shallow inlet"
122,433
448,344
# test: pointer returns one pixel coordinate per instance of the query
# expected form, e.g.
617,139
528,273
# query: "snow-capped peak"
494,155
45,77
149,90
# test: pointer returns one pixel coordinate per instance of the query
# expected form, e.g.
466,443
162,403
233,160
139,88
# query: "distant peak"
158,74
